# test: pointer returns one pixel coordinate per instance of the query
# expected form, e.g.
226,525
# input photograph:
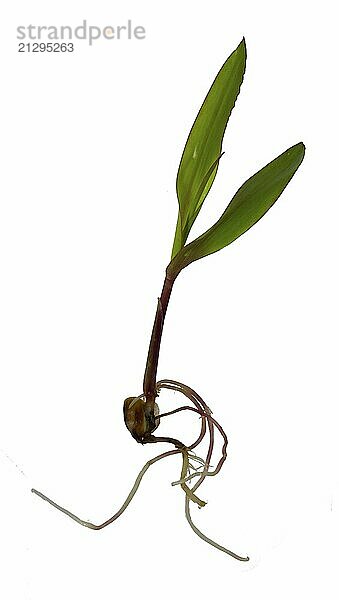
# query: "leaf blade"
250,203
182,233
204,141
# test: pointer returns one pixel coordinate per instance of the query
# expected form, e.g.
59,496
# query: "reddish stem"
150,391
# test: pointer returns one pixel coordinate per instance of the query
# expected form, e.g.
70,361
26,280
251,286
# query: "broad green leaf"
199,161
250,203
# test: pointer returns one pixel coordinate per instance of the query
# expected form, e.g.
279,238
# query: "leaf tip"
302,149
242,45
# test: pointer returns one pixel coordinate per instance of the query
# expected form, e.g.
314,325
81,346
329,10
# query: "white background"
91,142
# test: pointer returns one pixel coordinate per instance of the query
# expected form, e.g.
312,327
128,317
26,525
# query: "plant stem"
150,390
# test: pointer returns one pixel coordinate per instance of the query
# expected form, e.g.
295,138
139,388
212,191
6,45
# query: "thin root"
205,413
189,458
123,507
189,493
208,540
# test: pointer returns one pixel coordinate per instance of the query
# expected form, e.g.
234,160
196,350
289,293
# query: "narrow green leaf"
250,203
178,243
203,146
181,233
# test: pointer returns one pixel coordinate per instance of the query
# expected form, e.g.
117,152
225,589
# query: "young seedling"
197,170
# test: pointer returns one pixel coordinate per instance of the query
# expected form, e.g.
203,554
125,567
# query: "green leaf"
181,233
250,203
199,161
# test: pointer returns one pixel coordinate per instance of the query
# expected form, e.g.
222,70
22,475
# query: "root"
187,490
123,507
207,539
189,462
205,412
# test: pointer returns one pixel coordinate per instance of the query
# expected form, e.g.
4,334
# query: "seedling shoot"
198,167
